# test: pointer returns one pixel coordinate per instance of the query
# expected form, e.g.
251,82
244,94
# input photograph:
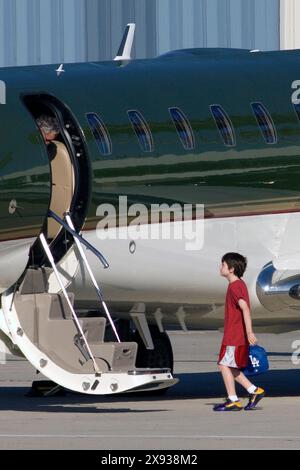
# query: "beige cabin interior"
62,186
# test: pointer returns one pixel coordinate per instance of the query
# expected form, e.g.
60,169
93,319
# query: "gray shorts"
234,356
229,357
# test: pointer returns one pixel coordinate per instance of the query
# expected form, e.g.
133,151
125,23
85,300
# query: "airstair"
70,350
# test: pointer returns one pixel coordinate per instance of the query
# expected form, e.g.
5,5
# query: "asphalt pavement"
182,419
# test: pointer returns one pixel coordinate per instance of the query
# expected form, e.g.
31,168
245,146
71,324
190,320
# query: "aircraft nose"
24,200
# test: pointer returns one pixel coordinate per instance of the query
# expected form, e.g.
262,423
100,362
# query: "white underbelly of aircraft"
161,272
163,275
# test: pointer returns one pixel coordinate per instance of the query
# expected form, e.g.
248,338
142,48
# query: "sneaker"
254,398
229,406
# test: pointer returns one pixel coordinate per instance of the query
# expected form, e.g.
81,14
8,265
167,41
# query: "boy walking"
238,334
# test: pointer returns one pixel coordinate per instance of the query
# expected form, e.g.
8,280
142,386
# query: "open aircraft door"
38,312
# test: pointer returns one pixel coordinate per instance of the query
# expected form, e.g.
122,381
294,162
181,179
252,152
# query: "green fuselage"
252,177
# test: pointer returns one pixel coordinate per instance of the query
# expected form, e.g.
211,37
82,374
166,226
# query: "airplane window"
224,125
265,123
142,130
184,128
100,133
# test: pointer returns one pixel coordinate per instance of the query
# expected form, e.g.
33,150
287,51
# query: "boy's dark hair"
237,262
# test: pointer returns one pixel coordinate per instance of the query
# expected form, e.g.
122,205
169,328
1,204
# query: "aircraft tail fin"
124,52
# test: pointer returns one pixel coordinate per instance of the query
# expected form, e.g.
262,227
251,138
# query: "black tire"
160,357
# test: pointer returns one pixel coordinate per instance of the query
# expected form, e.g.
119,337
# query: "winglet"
60,70
124,52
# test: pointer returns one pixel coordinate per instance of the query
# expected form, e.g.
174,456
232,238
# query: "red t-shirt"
234,326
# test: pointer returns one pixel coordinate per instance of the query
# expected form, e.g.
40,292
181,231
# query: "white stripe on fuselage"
163,271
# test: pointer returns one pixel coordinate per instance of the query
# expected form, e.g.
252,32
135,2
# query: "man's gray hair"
48,124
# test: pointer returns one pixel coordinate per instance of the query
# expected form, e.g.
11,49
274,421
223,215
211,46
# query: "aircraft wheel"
160,357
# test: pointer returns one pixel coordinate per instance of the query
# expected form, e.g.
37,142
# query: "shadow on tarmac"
277,383
14,399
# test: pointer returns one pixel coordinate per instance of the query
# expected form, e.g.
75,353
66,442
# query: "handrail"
51,259
99,293
79,237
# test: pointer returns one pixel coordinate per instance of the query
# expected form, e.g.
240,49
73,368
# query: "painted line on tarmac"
115,436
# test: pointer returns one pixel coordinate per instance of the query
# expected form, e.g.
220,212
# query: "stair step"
35,281
93,329
47,320
120,356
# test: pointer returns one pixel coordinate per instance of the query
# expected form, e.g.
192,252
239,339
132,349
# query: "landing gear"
45,388
160,357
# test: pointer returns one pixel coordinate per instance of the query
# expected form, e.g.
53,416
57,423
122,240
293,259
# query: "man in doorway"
49,128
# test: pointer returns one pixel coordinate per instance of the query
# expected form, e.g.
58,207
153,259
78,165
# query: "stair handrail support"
52,262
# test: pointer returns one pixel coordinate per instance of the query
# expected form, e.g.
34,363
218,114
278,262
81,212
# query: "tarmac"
182,419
